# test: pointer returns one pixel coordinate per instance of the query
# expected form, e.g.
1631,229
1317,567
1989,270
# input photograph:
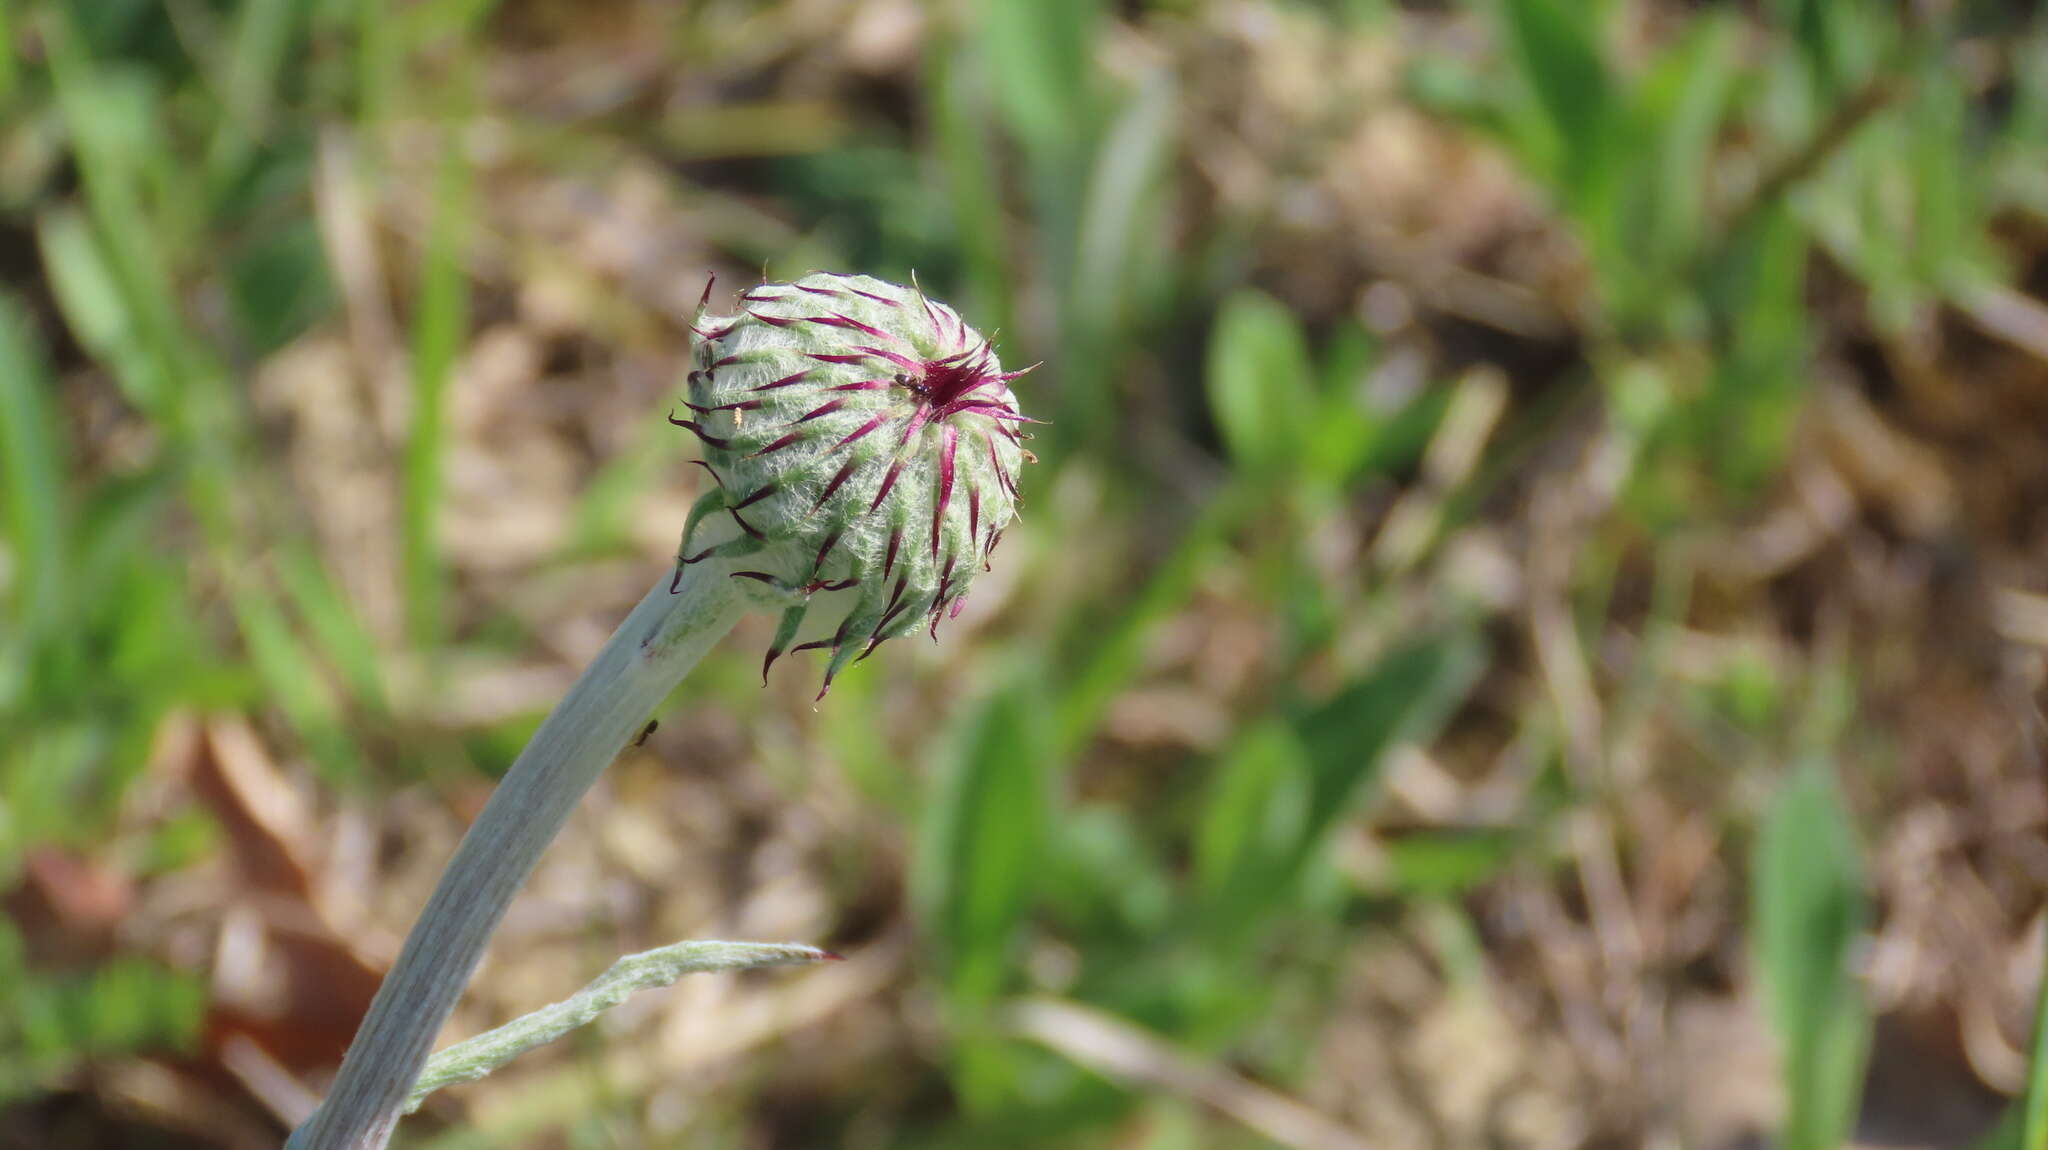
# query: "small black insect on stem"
646,731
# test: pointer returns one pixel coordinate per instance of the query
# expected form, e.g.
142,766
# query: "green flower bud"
865,447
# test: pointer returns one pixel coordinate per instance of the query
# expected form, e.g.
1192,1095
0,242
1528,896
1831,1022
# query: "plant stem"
644,660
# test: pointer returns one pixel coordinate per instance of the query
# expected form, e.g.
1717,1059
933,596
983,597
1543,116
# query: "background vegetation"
1529,629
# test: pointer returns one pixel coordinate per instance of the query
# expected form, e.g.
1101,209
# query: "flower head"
865,447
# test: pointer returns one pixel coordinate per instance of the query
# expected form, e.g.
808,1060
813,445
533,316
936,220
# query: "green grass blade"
1041,59
1680,105
296,685
1556,45
113,265
440,325
89,299
983,840
2034,1107
1405,696
1287,785
1808,903
1745,421
333,623
1261,384
113,120
1040,56
967,158
263,37
1257,807
8,75
32,465
377,70
1120,249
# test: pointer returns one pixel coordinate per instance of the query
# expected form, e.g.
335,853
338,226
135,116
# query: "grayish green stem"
473,1058
644,660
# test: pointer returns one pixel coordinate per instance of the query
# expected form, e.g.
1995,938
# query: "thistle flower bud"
865,447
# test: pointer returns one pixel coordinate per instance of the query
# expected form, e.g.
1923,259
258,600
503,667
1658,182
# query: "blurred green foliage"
163,181
1807,888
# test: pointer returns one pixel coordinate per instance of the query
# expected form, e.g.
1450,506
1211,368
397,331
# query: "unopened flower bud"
865,446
